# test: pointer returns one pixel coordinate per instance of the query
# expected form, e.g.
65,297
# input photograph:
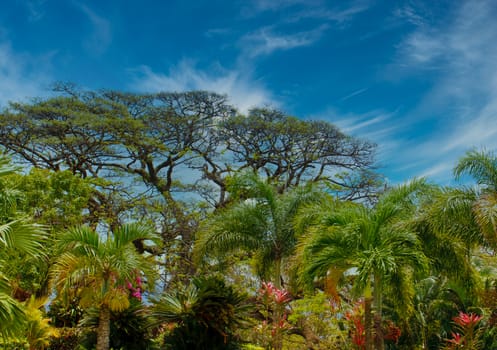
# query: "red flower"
280,296
457,339
465,320
393,332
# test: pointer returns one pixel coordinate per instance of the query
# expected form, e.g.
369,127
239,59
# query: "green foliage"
18,236
129,329
56,199
323,319
259,222
100,270
379,247
204,316
482,167
38,331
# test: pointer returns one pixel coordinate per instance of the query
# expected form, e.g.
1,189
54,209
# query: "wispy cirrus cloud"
258,41
35,9
337,15
296,10
462,57
353,94
377,126
101,35
266,41
243,90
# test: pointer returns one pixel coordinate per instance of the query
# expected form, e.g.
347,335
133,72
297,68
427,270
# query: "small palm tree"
100,270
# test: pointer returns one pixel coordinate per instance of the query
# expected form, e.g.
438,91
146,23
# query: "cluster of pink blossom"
136,292
279,296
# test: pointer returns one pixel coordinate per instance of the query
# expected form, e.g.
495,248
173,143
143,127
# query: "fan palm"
374,242
99,270
261,223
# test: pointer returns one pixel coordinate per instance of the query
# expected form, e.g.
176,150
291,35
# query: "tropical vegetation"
172,221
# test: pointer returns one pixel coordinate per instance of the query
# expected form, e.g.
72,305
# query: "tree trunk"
378,319
368,320
103,330
277,273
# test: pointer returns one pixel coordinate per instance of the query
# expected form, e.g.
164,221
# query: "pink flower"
465,320
137,294
281,296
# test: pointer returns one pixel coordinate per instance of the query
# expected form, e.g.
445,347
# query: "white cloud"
101,37
264,41
243,91
22,76
409,13
338,15
277,36
296,10
462,59
353,94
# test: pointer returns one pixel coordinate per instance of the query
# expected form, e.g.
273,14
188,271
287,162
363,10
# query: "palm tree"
482,167
446,226
375,244
261,223
101,270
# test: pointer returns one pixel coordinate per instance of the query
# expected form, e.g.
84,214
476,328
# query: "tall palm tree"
449,234
375,244
260,222
99,269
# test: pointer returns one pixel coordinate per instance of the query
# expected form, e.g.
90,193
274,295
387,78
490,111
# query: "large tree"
155,153
102,271
155,137
291,151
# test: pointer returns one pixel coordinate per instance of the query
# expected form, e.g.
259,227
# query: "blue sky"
419,78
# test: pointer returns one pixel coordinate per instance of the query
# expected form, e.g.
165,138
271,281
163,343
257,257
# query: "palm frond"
12,315
129,233
480,165
24,236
